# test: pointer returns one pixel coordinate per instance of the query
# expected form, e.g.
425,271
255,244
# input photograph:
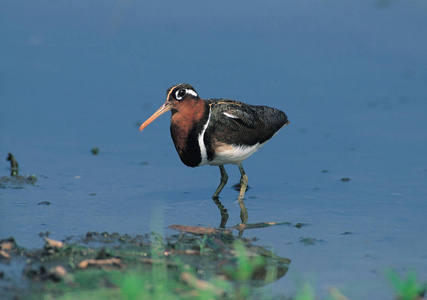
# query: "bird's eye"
180,94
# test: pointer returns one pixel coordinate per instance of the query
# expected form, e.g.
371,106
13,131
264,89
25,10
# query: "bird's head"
177,96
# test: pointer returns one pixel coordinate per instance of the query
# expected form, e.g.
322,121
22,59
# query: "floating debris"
345,179
299,225
242,226
44,234
44,203
13,165
200,284
309,241
7,248
17,181
52,247
59,273
95,150
53,243
101,263
199,229
8,244
4,254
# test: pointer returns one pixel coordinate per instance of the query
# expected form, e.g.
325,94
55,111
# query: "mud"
49,270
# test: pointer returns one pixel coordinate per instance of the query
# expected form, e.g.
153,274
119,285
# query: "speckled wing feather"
250,123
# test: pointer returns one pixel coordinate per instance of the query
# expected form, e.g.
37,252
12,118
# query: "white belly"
232,154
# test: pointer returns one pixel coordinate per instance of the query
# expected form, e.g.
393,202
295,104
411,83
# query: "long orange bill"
164,108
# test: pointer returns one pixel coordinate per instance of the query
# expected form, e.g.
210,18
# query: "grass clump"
406,288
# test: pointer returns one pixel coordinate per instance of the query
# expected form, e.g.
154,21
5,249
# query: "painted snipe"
217,131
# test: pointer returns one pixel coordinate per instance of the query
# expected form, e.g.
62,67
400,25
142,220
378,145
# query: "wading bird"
217,131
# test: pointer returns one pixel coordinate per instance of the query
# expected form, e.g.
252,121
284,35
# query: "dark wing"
237,123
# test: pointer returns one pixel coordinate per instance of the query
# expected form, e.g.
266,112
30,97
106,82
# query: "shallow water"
351,77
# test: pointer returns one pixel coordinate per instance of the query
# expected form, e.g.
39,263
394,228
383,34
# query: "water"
351,77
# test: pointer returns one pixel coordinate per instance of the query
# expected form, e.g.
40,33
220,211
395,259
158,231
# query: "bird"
217,131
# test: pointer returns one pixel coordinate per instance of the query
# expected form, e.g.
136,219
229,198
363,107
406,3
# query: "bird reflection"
266,266
224,213
222,210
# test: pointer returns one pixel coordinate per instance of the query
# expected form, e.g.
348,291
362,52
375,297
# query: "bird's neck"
187,123
188,114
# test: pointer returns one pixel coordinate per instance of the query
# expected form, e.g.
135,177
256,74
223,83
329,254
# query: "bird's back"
238,123
236,130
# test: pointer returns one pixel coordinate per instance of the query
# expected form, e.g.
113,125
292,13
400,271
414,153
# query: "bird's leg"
243,186
224,179
222,209
243,212
243,182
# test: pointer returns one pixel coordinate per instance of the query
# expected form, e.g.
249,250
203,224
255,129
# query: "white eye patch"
182,92
191,92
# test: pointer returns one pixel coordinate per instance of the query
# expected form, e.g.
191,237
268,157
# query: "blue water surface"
351,76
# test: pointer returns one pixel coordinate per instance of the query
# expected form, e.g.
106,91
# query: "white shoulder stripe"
230,115
202,145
